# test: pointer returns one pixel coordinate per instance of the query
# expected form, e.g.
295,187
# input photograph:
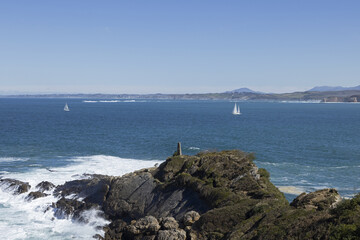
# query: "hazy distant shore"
308,96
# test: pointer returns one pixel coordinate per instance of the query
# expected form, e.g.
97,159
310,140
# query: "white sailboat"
66,108
236,110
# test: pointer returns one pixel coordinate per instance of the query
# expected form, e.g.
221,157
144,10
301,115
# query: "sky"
168,46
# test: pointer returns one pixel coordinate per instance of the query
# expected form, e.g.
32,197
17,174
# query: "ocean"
304,146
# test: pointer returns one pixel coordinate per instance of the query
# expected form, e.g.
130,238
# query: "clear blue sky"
177,46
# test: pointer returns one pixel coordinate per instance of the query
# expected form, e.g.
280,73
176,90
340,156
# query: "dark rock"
319,200
190,218
173,234
148,224
169,223
16,186
35,195
45,186
72,208
130,195
139,194
93,190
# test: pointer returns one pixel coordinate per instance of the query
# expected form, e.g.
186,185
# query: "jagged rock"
190,218
35,195
254,172
190,234
93,190
65,208
138,194
147,224
130,195
168,223
319,200
173,234
16,186
45,186
144,227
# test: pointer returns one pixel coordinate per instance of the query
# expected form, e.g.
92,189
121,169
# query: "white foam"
22,219
12,159
111,101
304,101
194,148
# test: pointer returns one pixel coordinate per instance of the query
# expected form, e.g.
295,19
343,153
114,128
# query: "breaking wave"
23,219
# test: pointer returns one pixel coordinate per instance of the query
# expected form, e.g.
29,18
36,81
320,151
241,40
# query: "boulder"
190,218
319,200
169,223
35,195
147,224
45,186
15,186
173,234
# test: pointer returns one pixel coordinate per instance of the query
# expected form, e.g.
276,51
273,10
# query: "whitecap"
12,159
109,101
194,148
22,219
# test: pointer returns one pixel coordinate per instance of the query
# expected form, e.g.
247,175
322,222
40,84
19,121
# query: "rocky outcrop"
173,234
319,200
35,195
190,218
191,197
212,195
45,186
15,186
151,228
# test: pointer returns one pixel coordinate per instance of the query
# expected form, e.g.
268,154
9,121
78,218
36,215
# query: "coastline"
307,96
222,194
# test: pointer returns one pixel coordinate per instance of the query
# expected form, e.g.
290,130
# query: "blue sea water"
304,146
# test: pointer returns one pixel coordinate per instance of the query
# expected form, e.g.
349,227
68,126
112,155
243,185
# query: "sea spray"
21,218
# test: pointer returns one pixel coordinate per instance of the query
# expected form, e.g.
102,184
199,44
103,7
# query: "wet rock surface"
35,195
45,186
16,186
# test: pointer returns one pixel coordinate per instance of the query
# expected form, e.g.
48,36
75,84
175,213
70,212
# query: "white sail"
236,110
66,108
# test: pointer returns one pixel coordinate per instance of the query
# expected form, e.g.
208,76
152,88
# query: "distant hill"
242,90
242,94
332,89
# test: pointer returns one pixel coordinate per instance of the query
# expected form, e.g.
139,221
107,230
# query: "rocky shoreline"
212,195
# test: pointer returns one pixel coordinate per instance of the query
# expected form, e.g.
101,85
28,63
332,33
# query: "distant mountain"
332,89
242,90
